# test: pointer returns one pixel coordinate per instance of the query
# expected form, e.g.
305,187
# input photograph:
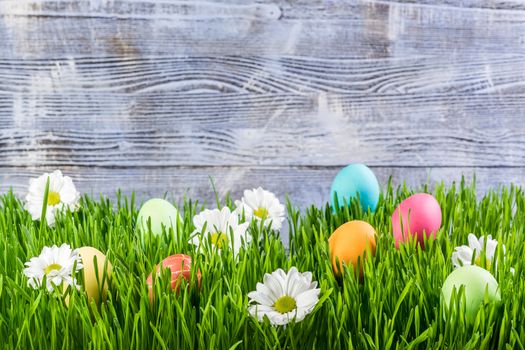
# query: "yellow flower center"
53,198
261,213
285,304
219,239
52,267
487,262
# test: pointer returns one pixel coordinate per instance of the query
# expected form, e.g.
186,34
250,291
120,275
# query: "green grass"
395,305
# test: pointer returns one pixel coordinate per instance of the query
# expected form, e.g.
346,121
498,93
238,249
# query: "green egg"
476,282
161,213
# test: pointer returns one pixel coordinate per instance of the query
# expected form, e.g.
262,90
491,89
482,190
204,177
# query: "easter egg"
352,181
349,242
95,277
161,213
476,281
180,268
418,215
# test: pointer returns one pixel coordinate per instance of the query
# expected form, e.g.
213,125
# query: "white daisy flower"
56,264
284,297
465,254
219,227
261,205
62,194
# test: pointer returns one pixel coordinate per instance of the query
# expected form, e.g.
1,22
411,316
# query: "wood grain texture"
491,73
160,129
347,28
155,95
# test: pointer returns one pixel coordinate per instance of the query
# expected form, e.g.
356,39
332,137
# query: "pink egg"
418,215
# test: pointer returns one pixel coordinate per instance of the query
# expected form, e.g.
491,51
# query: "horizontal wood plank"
43,29
170,129
218,9
305,186
263,75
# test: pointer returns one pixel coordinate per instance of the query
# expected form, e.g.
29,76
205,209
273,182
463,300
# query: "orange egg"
180,268
349,242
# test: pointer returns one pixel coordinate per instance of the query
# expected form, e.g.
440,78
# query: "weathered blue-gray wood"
156,96
304,185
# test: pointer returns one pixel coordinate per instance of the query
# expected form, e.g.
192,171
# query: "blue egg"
352,180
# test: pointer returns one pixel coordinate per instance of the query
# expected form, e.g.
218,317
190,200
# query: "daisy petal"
283,297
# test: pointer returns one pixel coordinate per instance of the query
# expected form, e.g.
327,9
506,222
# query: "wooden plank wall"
156,96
